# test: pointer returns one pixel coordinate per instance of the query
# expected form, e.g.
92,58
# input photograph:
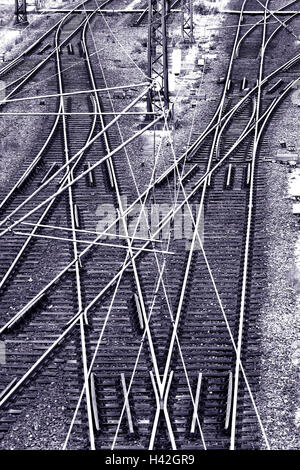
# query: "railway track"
159,348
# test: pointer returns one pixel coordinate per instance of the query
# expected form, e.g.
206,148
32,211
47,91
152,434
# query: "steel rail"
31,47
164,222
121,209
160,281
94,358
177,339
199,215
146,322
28,75
210,127
287,64
75,249
74,157
18,184
81,396
196,144
53,10
201,138
225,125
171,168
161,405
137,113
200,211
77,178
40,220
274,104
79,401
75,319
182,294
279,20
24,53
41,81
32,164
47,209
279,27
49,285
171,317
174,331
196,187
239,360
247,242
163,392
102,332
257,24
259,12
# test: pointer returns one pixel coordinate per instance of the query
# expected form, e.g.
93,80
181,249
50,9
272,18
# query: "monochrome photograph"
149,228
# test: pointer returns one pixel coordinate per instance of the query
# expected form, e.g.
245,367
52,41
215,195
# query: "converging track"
147,341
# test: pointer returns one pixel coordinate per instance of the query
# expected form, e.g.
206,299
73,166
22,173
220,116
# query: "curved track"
153,339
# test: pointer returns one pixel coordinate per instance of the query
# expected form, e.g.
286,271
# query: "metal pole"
165,54
150,92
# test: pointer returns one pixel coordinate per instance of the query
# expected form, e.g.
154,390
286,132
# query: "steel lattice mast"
158,51
20,12
187,28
